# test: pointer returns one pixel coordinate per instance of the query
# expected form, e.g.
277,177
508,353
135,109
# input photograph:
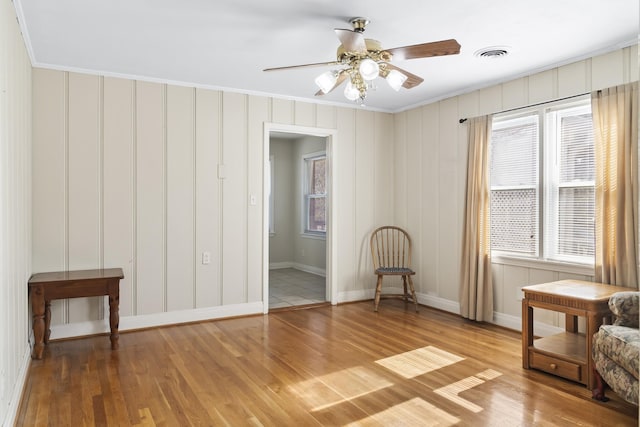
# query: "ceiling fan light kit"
364,60
396,79
369,69
351,92
327,80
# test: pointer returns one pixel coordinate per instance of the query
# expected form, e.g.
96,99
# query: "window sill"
540,264
314,236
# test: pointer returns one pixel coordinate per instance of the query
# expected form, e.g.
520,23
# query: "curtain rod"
534,105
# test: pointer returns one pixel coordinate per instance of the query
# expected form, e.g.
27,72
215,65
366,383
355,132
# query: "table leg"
47,321
527,331
37,306
114,316
571,323
594,321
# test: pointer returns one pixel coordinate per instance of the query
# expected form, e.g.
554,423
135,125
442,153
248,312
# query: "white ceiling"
225,44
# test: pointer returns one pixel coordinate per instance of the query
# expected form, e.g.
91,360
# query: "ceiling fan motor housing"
359,24
373,46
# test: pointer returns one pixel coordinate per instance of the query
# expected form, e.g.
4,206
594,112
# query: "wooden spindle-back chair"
391,253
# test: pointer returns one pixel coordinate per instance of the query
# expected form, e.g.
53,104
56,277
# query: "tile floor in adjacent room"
289,287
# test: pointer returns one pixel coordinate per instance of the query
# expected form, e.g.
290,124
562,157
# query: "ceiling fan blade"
351,40
424,50
341,78
412,79
316,64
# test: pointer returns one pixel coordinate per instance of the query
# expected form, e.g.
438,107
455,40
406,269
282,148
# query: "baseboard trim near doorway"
302,267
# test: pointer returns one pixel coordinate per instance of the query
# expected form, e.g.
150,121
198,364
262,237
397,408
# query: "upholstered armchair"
616,349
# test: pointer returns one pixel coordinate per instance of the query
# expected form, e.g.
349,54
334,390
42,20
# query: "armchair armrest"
625,306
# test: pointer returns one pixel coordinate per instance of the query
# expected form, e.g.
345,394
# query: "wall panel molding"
16,150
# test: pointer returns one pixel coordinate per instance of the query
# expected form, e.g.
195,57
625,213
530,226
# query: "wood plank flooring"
334,366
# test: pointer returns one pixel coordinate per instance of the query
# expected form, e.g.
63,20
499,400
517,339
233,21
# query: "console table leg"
47,321
114,319
37,306
527,331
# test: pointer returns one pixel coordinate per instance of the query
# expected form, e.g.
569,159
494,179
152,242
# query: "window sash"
315,195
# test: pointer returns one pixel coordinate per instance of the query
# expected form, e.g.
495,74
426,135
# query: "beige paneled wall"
430,173
147,176
15,211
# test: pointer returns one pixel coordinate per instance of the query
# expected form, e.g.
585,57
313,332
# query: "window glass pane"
576,149
514,185
514,153
576,222
317,214
318,177
514,221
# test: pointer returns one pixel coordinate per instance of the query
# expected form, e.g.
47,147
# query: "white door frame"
331,143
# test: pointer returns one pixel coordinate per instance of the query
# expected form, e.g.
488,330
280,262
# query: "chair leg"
413,293
376,300
404,285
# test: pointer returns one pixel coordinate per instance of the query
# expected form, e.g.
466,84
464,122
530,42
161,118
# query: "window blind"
575,188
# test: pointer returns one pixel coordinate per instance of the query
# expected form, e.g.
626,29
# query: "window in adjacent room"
542,184
315,194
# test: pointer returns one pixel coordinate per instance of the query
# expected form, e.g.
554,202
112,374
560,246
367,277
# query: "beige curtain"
476,290
615,118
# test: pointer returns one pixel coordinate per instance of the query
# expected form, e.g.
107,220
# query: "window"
315,194
542,184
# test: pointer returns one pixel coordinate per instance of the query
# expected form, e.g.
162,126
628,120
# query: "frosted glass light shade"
351,92
326,81
369,69
396,79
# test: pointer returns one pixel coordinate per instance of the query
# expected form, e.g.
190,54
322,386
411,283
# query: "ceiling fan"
362,60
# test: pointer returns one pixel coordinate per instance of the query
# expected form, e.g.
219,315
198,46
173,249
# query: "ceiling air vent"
492,52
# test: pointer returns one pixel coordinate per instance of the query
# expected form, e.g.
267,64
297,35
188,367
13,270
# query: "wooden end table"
567,354
44,287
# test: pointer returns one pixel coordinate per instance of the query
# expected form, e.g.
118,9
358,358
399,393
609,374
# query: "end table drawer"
555,366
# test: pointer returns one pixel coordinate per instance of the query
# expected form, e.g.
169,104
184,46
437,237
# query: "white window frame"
548,178
306,196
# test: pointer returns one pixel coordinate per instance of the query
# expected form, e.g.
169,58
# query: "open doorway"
298,217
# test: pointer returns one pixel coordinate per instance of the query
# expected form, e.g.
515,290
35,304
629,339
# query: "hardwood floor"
343,365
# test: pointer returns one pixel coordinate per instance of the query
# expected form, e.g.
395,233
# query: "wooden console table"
567,354
44,287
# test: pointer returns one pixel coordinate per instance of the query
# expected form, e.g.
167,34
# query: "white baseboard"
280,265
302,267
310,269
351,296
514,322
18,388
500,319
79,329
439,303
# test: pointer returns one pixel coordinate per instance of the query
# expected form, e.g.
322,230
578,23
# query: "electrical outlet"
206,258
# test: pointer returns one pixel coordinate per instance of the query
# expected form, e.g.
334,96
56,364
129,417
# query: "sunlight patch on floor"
414,412
418,362
452,391
337,387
